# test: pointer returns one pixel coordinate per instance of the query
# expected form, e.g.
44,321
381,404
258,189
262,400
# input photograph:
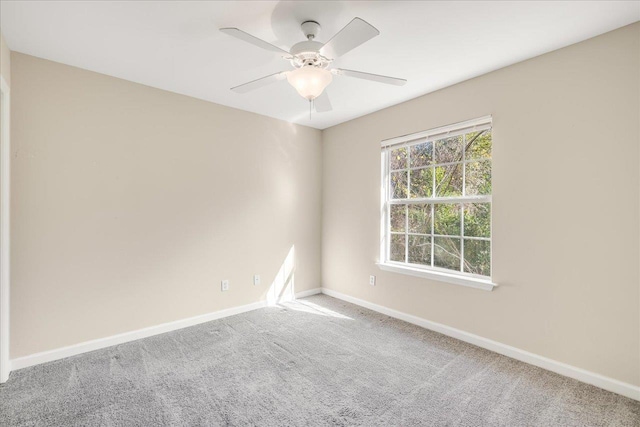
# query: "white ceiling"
176,46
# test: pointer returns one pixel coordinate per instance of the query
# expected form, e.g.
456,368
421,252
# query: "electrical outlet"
224,285
372,280
256,280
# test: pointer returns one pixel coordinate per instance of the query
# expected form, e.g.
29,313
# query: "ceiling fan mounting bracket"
310,29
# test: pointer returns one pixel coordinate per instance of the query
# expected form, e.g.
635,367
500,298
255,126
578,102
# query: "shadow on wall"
282,287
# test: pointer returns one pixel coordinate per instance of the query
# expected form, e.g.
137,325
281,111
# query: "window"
437,203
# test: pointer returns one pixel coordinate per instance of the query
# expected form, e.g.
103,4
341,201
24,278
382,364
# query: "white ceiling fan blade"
258,83
322,104
239,34
368,76
351,36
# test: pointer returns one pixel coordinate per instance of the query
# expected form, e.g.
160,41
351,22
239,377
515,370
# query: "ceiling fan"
311,59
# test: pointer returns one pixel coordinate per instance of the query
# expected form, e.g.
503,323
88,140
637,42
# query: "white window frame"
429,272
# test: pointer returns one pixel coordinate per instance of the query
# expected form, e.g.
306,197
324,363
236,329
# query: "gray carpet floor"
317,361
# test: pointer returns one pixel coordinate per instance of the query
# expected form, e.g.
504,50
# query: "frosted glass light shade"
309,81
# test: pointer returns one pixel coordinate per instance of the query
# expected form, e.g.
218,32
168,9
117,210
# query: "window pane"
449,150
420,219
399,185
421,154
447,219
421,182
420,250
448,181
423,230
396,252
446,253
478,145
398,217
477,220
398,158
478,178
477,257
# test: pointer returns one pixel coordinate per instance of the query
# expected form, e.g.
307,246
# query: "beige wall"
131,204
565,206
5,60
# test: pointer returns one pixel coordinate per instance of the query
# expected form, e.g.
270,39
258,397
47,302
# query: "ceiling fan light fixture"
309,81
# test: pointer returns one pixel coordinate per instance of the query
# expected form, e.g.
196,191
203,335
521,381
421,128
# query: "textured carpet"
317,361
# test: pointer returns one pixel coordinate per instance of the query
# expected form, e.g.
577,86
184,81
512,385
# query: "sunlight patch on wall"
282,287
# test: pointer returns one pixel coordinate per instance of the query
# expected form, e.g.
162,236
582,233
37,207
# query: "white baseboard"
308,293
84,347
606,383
579,374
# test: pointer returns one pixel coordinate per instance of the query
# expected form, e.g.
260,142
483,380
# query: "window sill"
471,282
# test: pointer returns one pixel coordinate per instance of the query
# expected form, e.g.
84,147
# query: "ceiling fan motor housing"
308,53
